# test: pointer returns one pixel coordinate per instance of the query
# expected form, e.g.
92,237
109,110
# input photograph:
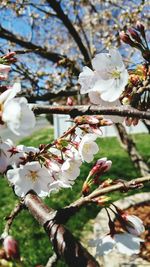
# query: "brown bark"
129,145
64,243
74,111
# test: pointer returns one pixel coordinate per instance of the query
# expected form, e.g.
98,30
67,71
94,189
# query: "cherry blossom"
133,224
88,148
109,77
70,170
22,119
31,176
4,70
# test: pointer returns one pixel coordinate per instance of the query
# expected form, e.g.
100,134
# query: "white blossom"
109,77
9,94
31,176
70,170
18,116
4,70
133,224
88,148
15,112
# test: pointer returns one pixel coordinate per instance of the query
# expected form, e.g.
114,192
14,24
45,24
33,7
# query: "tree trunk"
129,145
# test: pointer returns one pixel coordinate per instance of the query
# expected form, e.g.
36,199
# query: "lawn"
34,244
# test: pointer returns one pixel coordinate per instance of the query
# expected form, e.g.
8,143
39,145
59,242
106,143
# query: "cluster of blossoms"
53,166
125,240
110,83
57,165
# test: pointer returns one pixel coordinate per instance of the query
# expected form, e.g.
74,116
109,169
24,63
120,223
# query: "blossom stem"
75,206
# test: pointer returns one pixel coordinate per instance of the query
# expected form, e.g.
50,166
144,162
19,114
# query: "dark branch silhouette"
67,23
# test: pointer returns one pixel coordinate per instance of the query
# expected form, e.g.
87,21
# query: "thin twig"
9,219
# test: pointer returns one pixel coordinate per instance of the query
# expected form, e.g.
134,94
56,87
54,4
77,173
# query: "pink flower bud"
101,166
140,27
125,38
11,247
9,55
4,70
135,35
69,101
133,224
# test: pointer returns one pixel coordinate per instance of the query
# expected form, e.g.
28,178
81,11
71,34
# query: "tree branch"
54,57
91,110
64,214
64,243
50,95
66,21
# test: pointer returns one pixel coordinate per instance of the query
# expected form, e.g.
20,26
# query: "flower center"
87,148
116,74
33,176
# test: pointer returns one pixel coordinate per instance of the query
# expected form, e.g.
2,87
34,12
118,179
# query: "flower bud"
11,247
125,38
9,55
101,166
132,224
85,188
69,101
135,35
140,27
4,70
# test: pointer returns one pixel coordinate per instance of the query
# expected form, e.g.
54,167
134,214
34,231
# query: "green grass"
34,245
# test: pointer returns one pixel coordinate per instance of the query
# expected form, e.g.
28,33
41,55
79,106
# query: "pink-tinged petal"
86,80
95,97
134,225
101,62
